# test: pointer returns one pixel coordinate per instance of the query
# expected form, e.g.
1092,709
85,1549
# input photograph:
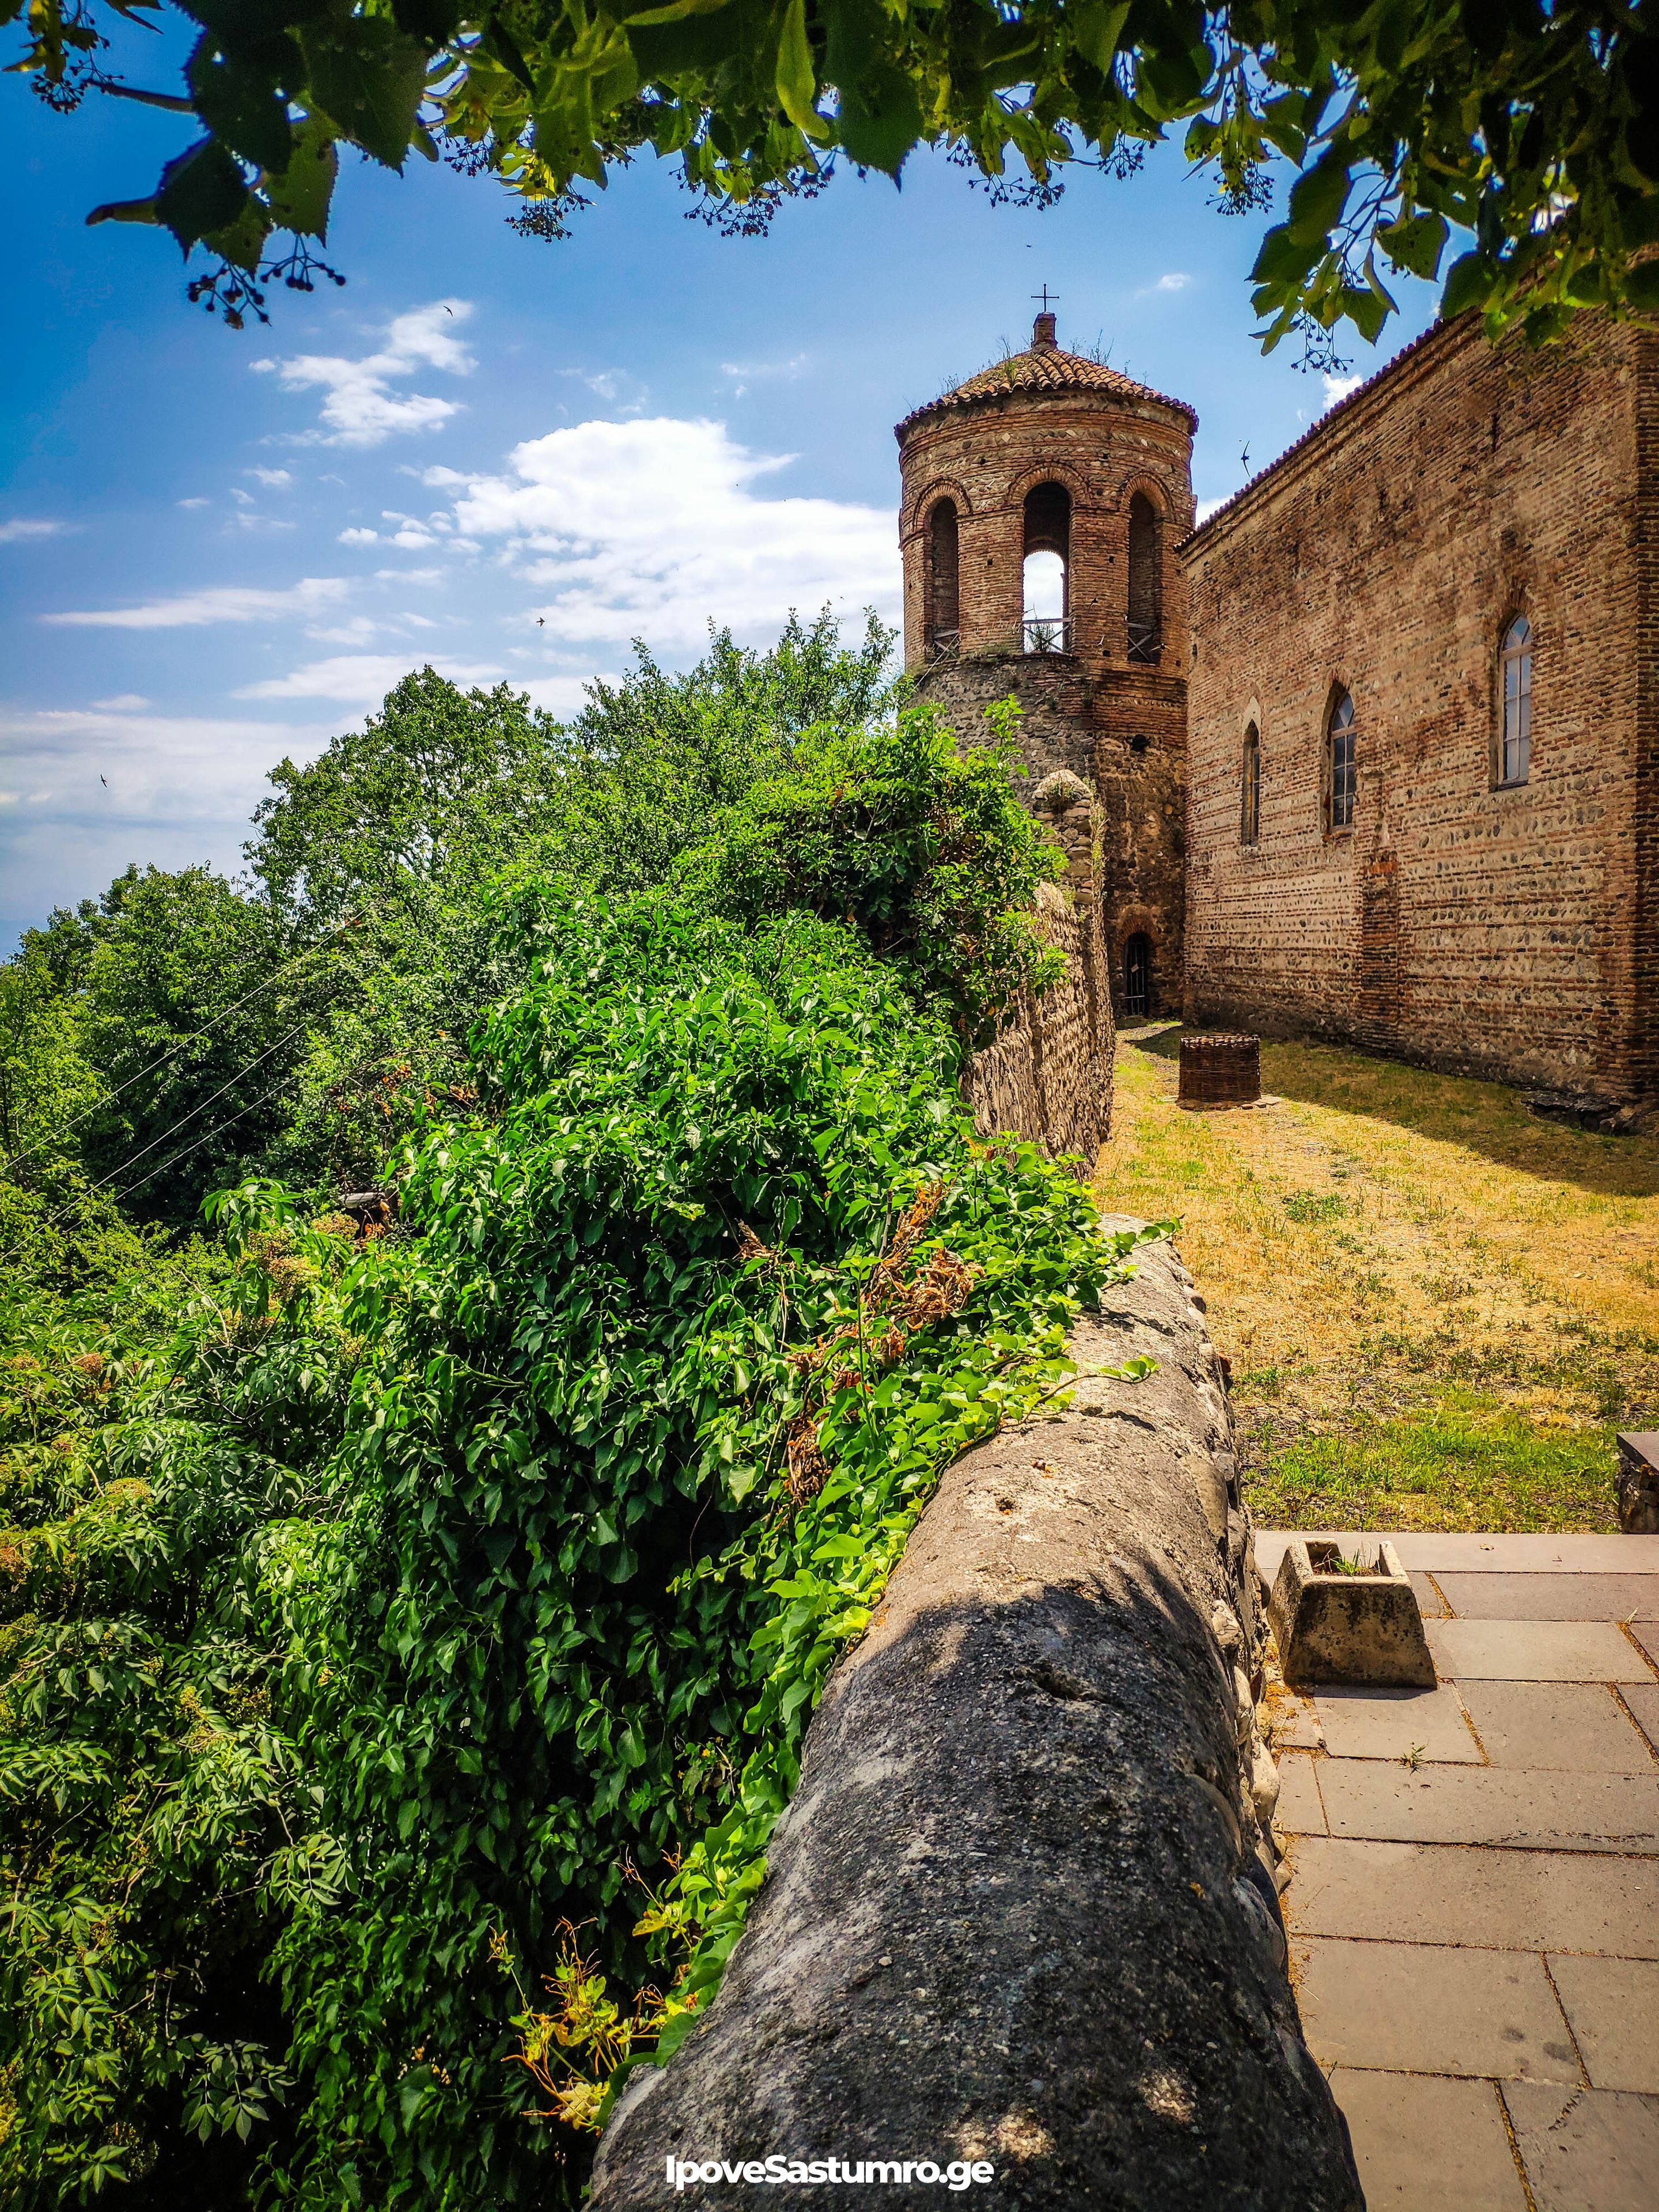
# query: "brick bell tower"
1042,504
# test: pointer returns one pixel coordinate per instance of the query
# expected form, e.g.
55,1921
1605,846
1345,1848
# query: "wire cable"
173,1051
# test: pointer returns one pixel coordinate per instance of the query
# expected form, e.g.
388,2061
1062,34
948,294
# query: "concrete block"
1560,1596
1516,1901
1613,2007
1586,2150
1414,2007
1571,1728
1422,2142
1536,1652
1490,1805
1387,1723
1334,1626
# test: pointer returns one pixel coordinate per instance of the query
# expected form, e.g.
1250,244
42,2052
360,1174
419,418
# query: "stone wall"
1513,931
1124,736
1022,1908
1049,1074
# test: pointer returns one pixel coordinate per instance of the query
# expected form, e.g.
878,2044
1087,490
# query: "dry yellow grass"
1437,1308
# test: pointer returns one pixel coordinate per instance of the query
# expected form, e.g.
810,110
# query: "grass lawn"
1438,1310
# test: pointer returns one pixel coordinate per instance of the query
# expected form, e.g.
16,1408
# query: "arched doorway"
1138,977
944,607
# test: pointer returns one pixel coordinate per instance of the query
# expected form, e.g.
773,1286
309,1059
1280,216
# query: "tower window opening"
1145,625
944,591
1045,625
1138,977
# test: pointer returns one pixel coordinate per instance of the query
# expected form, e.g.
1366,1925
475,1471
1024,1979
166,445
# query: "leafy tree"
1531,127
926,850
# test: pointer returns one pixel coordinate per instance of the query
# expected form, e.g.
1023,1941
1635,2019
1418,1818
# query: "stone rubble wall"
1048,1075
1023,1907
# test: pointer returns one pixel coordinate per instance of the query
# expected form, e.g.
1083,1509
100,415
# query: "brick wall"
1512,931
1120,724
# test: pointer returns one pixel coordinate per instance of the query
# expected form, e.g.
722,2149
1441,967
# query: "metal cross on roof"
1049,299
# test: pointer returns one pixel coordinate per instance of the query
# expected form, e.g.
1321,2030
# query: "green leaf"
242,242
239,102
1095,28
1469,282
368,77
299,198
1415,242
797,80
1318,197
201,189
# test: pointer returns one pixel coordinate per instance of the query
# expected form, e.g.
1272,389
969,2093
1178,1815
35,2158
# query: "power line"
185,1150
246,1069
173,1051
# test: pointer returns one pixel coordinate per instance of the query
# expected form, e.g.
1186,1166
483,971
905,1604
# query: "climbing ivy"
470,1580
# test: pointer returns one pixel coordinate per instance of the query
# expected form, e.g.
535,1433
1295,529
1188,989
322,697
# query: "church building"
1376,748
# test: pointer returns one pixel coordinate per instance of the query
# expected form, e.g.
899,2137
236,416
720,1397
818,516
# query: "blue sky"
504,457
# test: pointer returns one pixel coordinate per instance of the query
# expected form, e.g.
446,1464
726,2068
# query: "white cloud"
192,503
359,679
1176,281
751,370
275,479
219,603
360,537
654,527
18,527
1205,508
126,702
1339,387
360,409
178,789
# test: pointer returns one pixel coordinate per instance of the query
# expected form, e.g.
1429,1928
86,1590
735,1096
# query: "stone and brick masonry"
1508,928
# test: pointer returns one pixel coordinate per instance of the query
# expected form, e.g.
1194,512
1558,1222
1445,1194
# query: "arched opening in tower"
944,599
1046,627
1145,581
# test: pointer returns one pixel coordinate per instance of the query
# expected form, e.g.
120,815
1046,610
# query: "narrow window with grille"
1342,781
1515,668
1249,806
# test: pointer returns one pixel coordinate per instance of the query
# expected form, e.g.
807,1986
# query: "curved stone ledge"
1021,1908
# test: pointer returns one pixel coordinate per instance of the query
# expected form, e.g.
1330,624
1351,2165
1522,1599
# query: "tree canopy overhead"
1530,127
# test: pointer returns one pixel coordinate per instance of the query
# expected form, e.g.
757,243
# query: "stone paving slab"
1474,1553
1430,1603
1299,1811
1586,2150
1550,1596
1489,1805
1648,1636
1613,2007
1391,1724
1404,2006
1643,1700
1576,1727
1425,2144
1454,1894
1535,1652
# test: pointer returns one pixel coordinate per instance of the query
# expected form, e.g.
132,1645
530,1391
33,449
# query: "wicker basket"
1220,1071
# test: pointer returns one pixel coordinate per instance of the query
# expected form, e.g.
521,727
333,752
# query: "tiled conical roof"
1045,366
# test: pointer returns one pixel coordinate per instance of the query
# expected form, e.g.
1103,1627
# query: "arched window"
1145,581
1249,794
1515,668
1341,774
1047,551
943,569
1138,977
